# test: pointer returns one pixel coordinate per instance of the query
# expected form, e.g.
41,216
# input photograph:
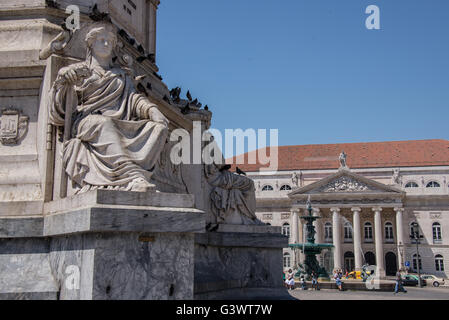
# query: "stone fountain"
310,248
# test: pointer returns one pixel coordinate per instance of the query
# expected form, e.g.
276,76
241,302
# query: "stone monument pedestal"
102,245
240,262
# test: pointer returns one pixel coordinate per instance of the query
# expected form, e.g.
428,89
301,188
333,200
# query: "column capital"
377,209
356,209
334,209
399,210
295,210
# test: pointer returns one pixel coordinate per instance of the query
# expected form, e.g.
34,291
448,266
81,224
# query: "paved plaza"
414,293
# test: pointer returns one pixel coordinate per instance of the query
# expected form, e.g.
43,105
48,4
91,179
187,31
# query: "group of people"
289,280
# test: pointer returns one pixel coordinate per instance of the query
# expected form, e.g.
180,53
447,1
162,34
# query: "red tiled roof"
359,155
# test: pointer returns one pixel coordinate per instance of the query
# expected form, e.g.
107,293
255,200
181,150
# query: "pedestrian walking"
398,286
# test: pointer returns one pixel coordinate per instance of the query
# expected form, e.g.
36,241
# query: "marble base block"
102,245
239,263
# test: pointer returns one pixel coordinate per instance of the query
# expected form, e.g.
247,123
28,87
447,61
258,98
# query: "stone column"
295,224
317,225
153,4
294,237
357,238
336,230
400,235
318,234
300,237
379,242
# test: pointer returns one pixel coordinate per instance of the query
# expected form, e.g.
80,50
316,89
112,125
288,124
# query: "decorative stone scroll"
344,184
435,215
285,216
13,126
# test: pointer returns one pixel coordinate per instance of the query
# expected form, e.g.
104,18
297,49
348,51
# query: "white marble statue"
233,199
342,159
395,179
297,178
116,133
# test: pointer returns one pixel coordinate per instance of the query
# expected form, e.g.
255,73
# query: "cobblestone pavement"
414,293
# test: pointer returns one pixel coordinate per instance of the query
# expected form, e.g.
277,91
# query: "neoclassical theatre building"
367,200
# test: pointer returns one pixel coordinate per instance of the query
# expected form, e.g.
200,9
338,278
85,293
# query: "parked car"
434,280
411,280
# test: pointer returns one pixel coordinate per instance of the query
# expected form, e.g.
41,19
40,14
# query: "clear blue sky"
310,68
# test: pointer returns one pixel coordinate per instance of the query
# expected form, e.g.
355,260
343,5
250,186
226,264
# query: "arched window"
328,232
267,188
439,262
286,187
436,230
389,232
411,184
286,229
368,228
415,262
287,260
370,258
348,232
433,184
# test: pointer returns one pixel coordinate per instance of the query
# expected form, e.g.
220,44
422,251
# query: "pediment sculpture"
113,134
344,184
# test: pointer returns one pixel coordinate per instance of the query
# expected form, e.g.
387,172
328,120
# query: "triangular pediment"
343,182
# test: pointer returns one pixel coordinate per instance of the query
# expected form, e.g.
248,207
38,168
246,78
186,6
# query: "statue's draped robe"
112,143
231,192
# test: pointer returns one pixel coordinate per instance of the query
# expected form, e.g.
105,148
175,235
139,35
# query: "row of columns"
297,225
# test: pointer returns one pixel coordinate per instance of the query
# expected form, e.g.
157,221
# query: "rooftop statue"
116,133
342,159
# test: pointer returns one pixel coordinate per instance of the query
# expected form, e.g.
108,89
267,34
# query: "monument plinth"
104,245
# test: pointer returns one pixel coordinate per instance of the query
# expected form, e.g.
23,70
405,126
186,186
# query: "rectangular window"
439,265
368,234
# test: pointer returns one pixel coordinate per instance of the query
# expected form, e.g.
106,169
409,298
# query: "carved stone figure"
116,134
297,178
395,179
233,197
342,159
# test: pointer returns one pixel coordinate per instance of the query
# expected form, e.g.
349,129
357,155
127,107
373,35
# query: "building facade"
367,203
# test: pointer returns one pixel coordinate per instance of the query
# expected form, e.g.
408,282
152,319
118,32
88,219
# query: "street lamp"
416,236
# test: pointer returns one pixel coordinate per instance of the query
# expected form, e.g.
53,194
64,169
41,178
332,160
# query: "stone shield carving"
13,126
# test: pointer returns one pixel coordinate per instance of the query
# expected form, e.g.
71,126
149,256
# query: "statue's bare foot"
141,185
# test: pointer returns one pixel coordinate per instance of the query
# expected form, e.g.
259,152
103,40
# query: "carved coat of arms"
13,126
